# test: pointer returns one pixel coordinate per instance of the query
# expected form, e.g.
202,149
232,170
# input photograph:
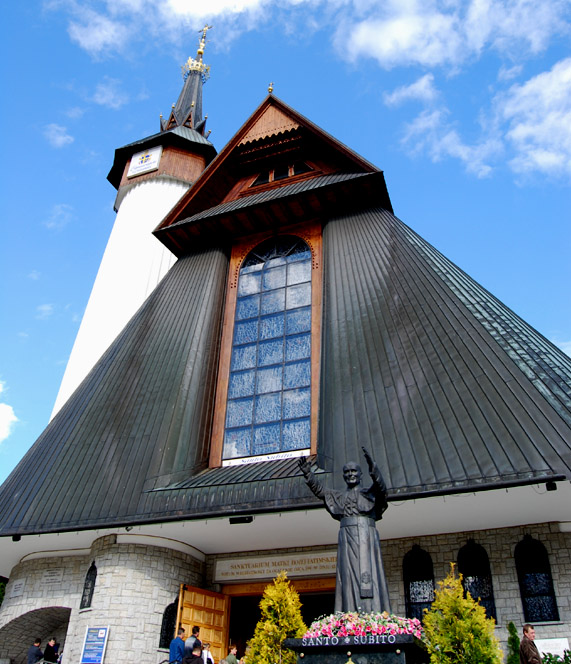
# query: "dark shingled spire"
187,111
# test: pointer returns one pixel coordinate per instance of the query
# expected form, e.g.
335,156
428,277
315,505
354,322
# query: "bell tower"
150,175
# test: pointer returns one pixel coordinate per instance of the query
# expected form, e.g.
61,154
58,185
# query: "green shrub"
281,619
456,628
513,645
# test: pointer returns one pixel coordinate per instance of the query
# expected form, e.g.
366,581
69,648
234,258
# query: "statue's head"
352,474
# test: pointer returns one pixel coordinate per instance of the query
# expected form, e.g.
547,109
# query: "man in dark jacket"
528,652
35,653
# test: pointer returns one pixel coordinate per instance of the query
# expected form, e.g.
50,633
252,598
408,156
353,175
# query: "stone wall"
135,583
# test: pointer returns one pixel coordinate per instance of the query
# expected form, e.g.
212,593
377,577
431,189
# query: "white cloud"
96,33
7,417
509,73
108,93
44,311
34,275
60,216
449,32
75,113
57,135
538,115
431,132
423,90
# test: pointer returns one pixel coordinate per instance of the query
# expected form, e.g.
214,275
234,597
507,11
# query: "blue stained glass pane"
237,443
246,332
271,352
300,256
299,272
273,262
251,268
298,296
296,403
272,326
296,435
268,408
273,301
297,374
247,307
239,413
248,284
241,384
298,347
244,357
269,380
266,439
275,278
298,321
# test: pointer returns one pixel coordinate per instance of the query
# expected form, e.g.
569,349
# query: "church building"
272,306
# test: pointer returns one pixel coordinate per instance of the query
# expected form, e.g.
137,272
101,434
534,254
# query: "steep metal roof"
450,388
446,386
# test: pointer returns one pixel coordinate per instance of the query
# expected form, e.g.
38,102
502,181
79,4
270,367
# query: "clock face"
145,161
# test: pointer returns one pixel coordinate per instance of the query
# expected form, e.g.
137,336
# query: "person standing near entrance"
528,652
206,654
50,653
192,641
176,649
231,657
35,652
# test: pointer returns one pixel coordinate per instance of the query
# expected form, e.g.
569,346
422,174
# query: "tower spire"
188,109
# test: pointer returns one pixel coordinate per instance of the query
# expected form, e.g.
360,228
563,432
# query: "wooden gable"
272,121
273,132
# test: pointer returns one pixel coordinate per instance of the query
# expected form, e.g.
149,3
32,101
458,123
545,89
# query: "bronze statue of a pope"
360,584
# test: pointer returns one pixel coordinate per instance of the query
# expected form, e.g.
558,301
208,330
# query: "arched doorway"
18,635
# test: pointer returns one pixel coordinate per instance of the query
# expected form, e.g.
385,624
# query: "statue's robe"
361,584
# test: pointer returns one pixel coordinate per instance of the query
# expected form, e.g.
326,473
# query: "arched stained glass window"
88,587
474,565
418,576
535,581
268,404
168,625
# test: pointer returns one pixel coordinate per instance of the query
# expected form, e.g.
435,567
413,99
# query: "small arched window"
88,587
474,565
535,581
269,389
168,625
418,577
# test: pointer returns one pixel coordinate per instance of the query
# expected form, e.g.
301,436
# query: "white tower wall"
133,264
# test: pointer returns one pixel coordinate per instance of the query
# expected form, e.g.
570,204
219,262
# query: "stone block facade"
136,582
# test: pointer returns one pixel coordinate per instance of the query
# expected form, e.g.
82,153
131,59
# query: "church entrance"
317,598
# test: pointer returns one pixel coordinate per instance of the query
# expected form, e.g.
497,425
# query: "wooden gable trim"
271,122
178,211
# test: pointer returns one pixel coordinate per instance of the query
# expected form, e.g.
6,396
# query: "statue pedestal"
385,649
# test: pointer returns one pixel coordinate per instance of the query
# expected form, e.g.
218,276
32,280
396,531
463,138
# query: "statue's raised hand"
368,459
304,466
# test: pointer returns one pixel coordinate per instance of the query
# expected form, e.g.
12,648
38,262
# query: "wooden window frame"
311,233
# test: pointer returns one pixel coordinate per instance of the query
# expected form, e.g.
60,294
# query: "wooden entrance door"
210,612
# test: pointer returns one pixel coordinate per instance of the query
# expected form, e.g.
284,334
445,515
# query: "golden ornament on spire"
271,87
196,64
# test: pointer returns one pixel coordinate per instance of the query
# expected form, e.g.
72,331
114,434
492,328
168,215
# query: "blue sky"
466,106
